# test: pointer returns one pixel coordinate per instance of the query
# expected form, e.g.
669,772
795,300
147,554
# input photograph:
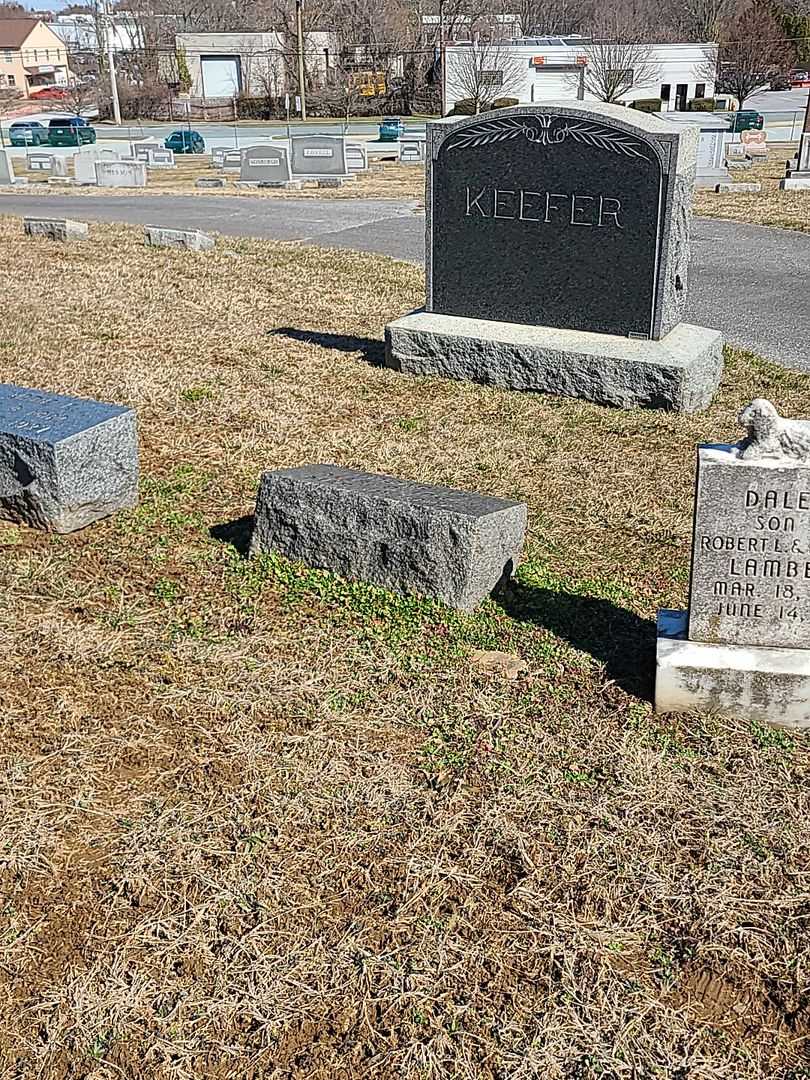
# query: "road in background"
748,281
783,111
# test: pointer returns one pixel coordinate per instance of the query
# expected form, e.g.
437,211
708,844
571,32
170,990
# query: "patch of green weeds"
101,1045
194,394
162,500
410,423
770,738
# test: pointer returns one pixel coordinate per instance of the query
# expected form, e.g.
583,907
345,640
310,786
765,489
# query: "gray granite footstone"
188,239
454,546
64,461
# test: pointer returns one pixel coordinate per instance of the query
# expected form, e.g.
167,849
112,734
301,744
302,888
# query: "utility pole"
442,57
299,27
109,36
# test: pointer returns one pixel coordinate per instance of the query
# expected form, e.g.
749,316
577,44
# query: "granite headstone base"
454,546
796,182
750,682
64,462
680,372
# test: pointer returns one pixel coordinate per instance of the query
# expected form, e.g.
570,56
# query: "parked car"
185,142
58,93
28,133
70,131
799,78
391,129
745,120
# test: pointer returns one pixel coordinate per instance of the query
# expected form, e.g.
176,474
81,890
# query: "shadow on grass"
624,642
237,533
372,349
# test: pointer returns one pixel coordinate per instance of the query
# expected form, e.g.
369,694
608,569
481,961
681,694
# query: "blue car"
185,142
391,129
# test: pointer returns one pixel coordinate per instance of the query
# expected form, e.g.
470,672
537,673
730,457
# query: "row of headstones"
64,229
742,647
91,166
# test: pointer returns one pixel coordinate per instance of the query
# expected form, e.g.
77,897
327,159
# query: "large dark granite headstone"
559,217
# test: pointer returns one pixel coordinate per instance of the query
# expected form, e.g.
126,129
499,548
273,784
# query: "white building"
680,71
256,64
80,34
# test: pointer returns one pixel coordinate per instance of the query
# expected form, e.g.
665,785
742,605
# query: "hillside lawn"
257,821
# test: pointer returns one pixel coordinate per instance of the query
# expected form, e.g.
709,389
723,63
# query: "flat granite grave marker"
64,462
56,228
556,234
186,239
265,164
743,647
318,155
456,546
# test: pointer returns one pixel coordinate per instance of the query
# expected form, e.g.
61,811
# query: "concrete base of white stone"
795,183
56,228
732,188
681,372
749,682
63,180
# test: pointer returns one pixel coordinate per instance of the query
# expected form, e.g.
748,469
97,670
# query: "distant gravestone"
555,233
160,157
265,164
744,645
59,167
217,155
6,168
120,174
39,161
453,545
141,150
356,157
318,155
232,161
64,462
84,166
755,142
797,176
411,151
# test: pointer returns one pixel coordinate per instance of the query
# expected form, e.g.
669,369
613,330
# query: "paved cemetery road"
749,282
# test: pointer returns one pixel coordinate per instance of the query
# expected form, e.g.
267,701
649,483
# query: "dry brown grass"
391,181
783,209
259,823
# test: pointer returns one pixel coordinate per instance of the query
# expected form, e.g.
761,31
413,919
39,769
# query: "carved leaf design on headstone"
547,130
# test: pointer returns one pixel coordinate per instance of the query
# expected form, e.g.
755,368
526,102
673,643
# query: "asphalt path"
753,283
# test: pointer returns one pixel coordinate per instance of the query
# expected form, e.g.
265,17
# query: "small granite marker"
743,648
64,462
189,239
557,256
455,546
56,228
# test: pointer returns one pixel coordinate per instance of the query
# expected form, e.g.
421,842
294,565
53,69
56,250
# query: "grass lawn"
784,209
260,822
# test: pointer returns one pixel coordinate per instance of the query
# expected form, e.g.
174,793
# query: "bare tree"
704,20
482,73
553,16
752,48
8,97
618,58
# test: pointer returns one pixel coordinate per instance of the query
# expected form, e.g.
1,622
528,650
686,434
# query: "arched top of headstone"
614,128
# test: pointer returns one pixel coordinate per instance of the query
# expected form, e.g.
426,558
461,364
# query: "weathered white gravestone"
411,151
318,155
743,648
356,157
39,161
120,174
84,166
557,257
232,161
160,157
798,176
64,462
